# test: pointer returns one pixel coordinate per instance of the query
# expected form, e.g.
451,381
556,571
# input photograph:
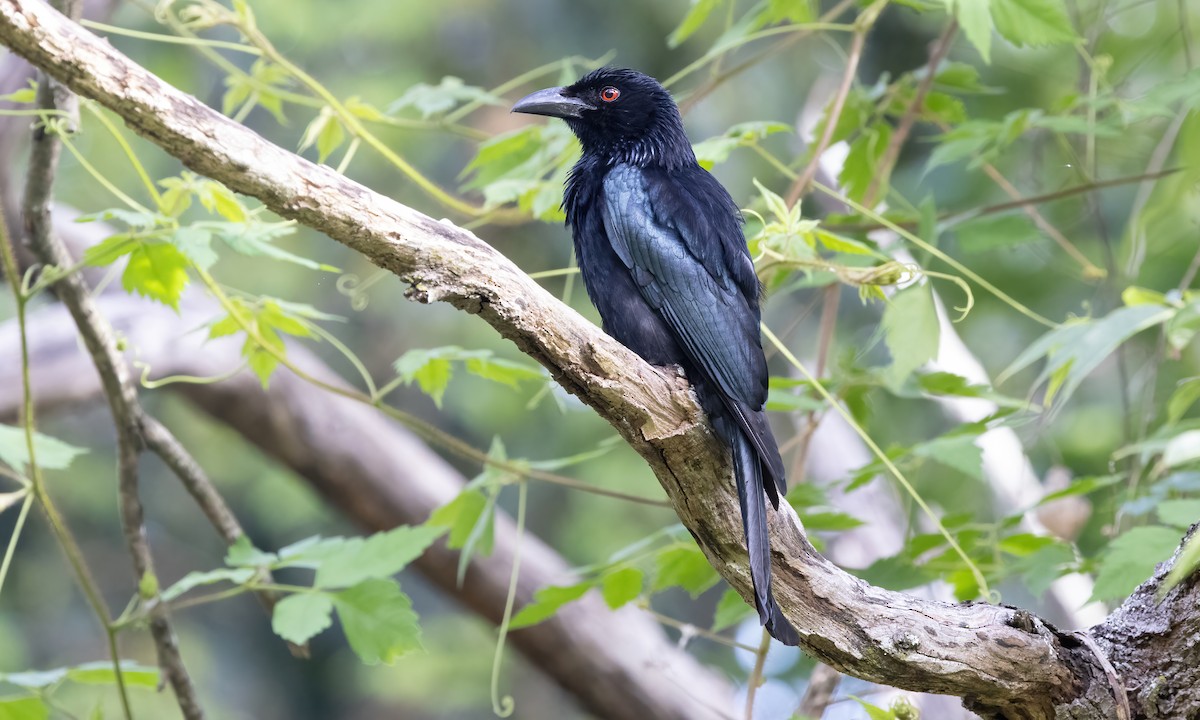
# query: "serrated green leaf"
862,162
378,620
243,554
274,317
215,197
341,562
237,576
257,238
109,250
506,372
300,617
911,331
622,586
823,520
731,609
157,271
696,15
52,453
1130,559
976,21
196,244
1045,565
431,100
1075,349
546,603
1180,513
460,515
683,566
23,708
1033,22
954,451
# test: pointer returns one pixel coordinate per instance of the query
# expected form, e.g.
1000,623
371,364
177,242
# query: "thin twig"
99,340
883,170
756,675
800,186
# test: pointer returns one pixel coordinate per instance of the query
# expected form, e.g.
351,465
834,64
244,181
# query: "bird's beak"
553,102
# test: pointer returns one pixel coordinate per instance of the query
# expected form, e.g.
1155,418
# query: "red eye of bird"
609,94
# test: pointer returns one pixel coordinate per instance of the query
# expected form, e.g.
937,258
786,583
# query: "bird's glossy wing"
715,324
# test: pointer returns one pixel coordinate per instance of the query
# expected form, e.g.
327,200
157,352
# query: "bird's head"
622,115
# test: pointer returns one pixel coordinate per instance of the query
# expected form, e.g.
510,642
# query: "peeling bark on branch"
1006,663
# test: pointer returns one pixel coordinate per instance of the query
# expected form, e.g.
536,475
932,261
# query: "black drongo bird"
662,254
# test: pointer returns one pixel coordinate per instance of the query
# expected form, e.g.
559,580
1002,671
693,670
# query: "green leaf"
109,250
506,372
796,11
52,453
257,238
954,451
828,520
23,708
874,712
976,22
430,100
686,567
1045,565
1130,559
731,609
1182,449
1188,563
460,515
429,368
243,554
33,679
1082,486
237,576
300,617
378,620
216,198
196,244
1033,22
1075,349
911,331
101,672
158,271
342,562
546,603
862,162
1185,395
695,17
622,586
1180,513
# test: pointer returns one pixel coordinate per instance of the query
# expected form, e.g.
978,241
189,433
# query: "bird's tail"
748,470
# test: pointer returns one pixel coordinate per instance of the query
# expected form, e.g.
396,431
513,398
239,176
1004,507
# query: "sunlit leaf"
546,603
686,567
237,576
622,586
696,15
156,270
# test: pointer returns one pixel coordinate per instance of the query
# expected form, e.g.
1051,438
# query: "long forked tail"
748,471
